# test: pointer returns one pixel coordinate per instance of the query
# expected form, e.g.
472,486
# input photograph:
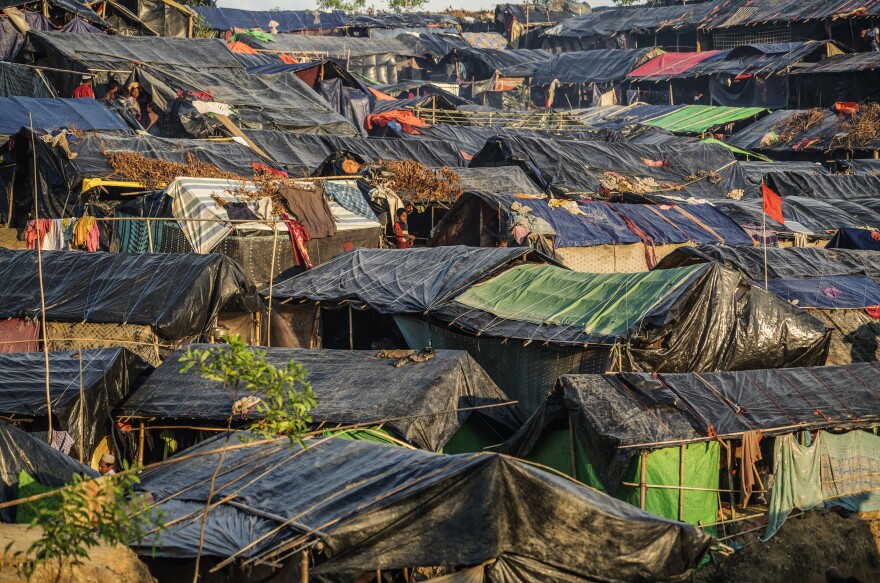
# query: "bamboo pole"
350,329
271,284
571,445
81,420
42,289
681,482
730,479
304,567
141,438
643,487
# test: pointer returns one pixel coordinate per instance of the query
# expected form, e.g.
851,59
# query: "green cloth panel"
837,470
600,303
696,119
736,150
26,512
553,449
701,470
374,434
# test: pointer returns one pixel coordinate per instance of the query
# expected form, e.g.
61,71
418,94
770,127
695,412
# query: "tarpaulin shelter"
839,78
150,303
227,19
82,398
165,17
864,239
22,452
669,65
70,7
416,87
482,64
434,45
22,81
803,131
462,510
730,13
626,423
44,113
593,237
403,20
837,286
756,170
430,405
678,119
306,155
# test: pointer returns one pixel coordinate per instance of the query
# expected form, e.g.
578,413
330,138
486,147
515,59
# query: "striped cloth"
348,195
192,199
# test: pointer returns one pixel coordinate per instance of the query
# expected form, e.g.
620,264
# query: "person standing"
85,89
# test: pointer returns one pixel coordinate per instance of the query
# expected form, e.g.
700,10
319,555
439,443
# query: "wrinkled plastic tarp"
288,20
50,114
596,66
828,293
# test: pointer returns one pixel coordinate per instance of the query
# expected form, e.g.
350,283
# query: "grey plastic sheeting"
396,281
371,502
49,114
107,374
178,294
598,66
607,21
421,401
20,451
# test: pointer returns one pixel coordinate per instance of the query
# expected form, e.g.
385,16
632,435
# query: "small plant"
90,512
285,397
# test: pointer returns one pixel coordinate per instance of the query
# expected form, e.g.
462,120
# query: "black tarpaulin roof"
334,47
20,80
352,387
609,21
729,13
431,509
830,187
783,263
72,6
755,171
764,59
288,20
403,20
20,451
49,114
597,66
396,281
506,180
846,63
770,134
539,15
178,294
512,63
119,53
617,414
305,154
107,374
435,45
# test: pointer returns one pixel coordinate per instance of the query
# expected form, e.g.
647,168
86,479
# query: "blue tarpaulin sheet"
288,20
600,227
839,292
660,231
81,114
855,239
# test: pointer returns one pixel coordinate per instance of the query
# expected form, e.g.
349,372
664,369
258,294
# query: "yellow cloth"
81,231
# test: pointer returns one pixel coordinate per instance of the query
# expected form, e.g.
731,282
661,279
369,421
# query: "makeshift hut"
230,19
84,386
148,303
28,466
678,445
389,25
431,509
438,401
522,24
594,237
839,78
22,81
487,73
838,287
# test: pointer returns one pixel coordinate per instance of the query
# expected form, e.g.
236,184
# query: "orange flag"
772,204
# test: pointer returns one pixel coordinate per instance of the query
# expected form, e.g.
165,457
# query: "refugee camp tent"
678,119
227,19
594,237
84,387
430,508
54,114
150,303
756,170
23,458
667,430
839,287
430,404
68,9
21,81
165,17
839,78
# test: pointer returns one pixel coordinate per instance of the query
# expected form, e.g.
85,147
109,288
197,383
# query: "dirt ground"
105,565
802,550
9,239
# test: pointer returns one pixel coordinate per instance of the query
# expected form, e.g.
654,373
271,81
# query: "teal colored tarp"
837,470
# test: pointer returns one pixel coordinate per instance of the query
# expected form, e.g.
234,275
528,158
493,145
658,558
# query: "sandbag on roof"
50,114
351,387
107,375
287,20
786,263
394,281
20,451
178,294
305,154
431,509
692,313
596,66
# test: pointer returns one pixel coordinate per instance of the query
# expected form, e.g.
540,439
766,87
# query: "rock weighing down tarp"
423,403
380,506
81,403
178,295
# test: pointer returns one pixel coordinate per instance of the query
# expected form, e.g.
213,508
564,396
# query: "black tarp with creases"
287,20
177,294
579,166
506,180
165,18
304,155
59,179
436,45
782,263
74,7
605,22
107,375
381,506
755,171
736,13
484,63
19,80
611,412
11,40
49,114
714,321
855,239
420,402
403,20
828,134
396,281
402,89
20,451
598,66
829,188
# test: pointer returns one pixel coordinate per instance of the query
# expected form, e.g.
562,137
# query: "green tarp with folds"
696,119
600,303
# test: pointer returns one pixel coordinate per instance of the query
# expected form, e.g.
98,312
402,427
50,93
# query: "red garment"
37,230
873,311
772,204
298,239
402,239
83,91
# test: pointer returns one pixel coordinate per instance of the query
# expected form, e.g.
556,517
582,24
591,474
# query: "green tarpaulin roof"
737,150
696,119
599,303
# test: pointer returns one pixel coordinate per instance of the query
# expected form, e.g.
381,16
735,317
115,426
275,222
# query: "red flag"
772,204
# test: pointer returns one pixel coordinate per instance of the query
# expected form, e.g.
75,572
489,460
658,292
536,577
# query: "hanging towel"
298,239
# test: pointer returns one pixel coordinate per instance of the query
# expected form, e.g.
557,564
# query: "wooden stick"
643,487
271,285
81,420
681,482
